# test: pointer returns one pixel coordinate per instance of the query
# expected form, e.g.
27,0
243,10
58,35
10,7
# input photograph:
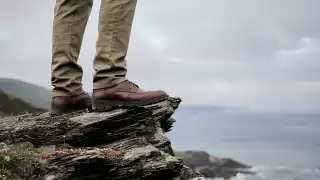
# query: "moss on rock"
20,165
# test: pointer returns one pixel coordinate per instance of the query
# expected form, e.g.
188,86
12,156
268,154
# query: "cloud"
261,54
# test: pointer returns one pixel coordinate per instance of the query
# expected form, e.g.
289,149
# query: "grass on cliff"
24,165
167,124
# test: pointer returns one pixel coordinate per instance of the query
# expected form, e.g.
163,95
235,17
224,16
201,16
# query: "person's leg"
115,22
110,85
70,20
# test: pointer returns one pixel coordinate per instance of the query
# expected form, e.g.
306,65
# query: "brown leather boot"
125,94
67,104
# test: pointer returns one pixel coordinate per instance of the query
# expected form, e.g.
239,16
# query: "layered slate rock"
122,144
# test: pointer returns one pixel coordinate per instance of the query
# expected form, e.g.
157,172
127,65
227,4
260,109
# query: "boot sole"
105,105
59,111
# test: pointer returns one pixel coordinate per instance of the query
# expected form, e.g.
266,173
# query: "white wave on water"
239,176
279,173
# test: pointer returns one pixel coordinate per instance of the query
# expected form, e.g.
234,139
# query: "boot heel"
60,110
100,106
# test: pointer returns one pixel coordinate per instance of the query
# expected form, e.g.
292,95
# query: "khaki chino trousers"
70,20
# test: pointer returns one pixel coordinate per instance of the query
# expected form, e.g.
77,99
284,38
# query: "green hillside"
11,105
30,93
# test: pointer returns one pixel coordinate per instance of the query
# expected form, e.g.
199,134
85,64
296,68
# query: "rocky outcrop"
121,144
213,167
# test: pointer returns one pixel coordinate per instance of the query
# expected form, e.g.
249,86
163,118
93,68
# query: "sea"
279,146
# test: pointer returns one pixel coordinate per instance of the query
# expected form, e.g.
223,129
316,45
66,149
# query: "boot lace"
131,83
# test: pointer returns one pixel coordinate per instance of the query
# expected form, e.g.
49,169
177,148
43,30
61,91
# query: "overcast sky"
256,53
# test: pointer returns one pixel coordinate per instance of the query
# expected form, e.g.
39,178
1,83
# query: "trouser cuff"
56,92
102,84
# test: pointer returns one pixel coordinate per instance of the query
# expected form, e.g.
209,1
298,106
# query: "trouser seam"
71,33
116,29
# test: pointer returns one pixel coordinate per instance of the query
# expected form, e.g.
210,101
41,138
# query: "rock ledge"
122,144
